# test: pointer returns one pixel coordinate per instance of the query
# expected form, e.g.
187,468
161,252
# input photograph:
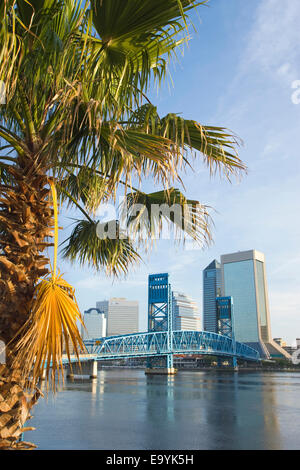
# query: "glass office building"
239,282
244,278
211,290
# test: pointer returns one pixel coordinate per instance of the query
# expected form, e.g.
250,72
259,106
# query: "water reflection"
124,409
246,411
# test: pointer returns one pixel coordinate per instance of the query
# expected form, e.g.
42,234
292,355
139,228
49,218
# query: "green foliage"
77,76
114,255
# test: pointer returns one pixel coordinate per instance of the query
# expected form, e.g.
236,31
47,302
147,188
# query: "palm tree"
77,121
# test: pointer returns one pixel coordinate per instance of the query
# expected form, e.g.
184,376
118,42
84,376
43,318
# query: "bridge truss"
156,344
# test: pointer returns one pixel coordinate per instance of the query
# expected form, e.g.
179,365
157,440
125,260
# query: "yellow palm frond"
53,320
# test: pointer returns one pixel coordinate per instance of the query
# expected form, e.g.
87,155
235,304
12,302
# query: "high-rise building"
211,290
185,313
244,279
122,315
95,324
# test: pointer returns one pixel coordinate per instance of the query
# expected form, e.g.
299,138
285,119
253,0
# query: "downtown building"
95,324
122,315
185,313
243,278
211,290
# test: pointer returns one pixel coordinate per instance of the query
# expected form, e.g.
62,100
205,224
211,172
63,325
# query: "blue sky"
237,72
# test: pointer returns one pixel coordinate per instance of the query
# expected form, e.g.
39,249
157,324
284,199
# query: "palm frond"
115,254
122,153
86,186
136,38
217,145
52,323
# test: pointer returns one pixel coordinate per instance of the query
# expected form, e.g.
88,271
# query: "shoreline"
208,369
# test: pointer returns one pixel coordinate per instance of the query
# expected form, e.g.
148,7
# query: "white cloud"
273,42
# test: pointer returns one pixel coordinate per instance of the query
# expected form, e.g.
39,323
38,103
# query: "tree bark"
15,406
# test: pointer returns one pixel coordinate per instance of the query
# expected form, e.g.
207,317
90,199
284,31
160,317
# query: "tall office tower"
244,278
185,313
211,290
95,324
122,315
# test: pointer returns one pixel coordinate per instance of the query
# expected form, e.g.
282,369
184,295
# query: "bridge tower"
225,322
160,318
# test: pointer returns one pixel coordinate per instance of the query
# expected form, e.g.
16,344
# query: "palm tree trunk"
15,406
26,220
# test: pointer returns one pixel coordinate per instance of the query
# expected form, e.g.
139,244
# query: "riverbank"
207,369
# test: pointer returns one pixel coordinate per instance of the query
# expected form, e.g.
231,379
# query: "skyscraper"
95,324
185,313
122,315
211,290
244,278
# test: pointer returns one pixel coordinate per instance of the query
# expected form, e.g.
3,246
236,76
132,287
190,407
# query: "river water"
125,409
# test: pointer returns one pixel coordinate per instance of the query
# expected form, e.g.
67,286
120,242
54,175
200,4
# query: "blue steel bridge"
161,342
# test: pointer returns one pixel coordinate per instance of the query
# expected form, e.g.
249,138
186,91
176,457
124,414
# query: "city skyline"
219,280
250,97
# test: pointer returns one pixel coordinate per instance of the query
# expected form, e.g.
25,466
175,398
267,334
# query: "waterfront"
125,409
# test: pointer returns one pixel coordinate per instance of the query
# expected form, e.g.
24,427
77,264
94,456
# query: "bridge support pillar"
162,366
220,362
235,364
83,369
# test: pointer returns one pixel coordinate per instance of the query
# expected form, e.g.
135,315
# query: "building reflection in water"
244,408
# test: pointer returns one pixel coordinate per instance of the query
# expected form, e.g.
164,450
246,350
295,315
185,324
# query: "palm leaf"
114,254
134,37
52,322
86,186
217,144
